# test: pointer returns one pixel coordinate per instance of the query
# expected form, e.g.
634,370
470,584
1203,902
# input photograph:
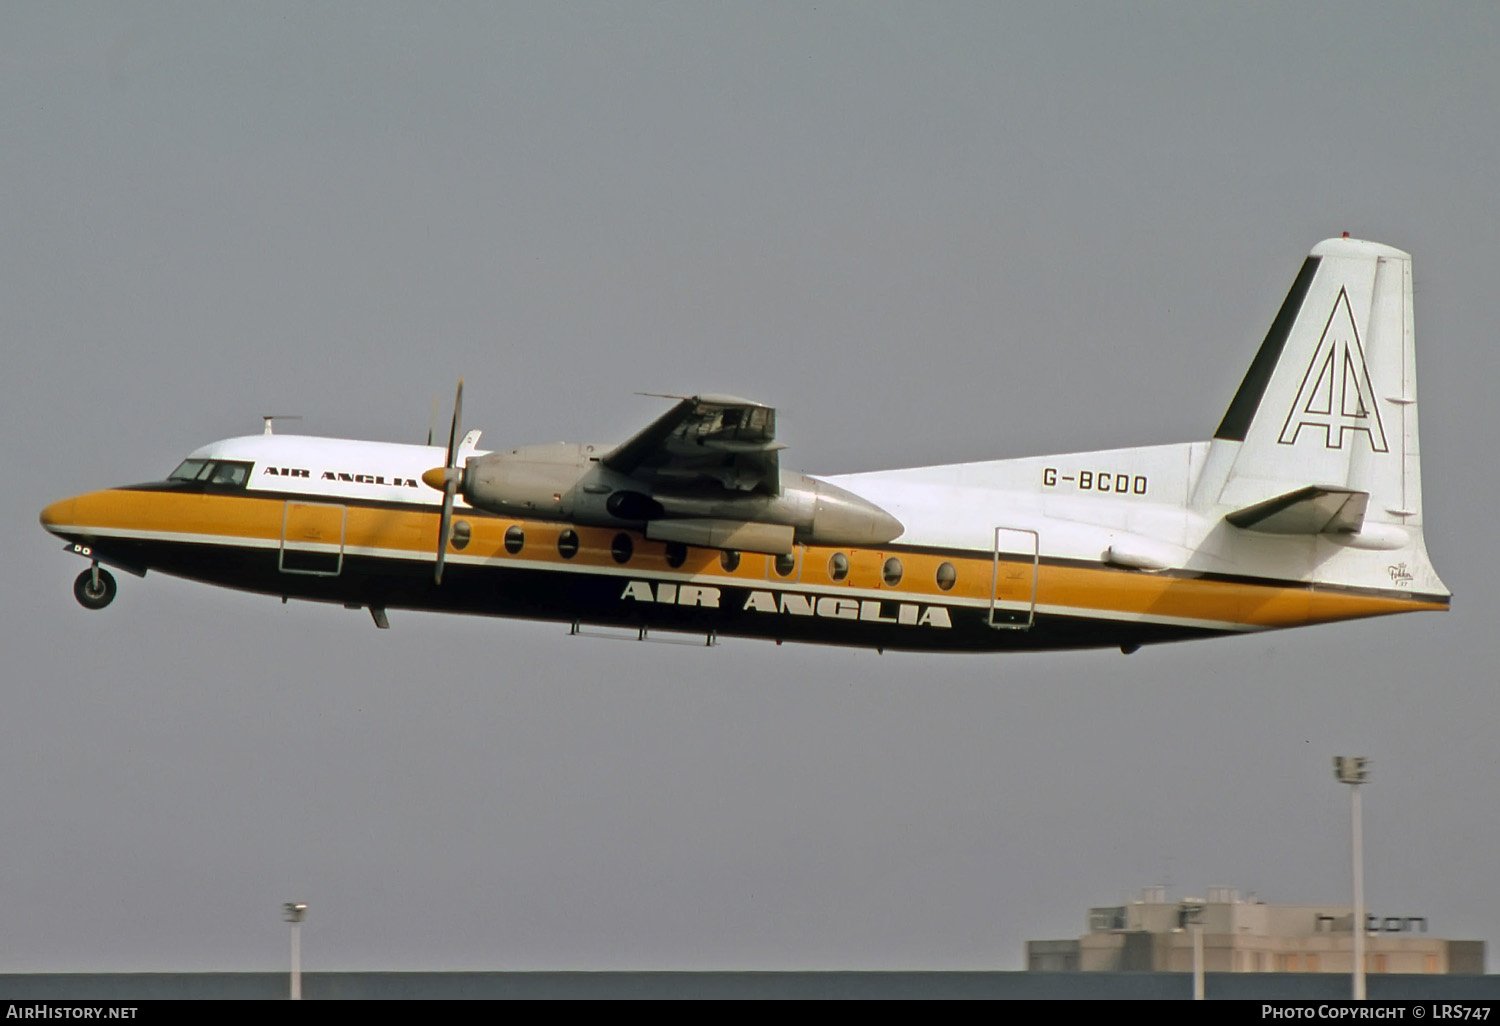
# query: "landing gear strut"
94,588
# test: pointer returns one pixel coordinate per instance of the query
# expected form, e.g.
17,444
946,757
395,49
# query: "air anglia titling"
339,475
787,603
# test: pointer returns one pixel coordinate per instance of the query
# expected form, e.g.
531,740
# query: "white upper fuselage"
1124,507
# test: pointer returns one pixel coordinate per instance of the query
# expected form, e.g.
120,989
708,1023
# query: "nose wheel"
95,588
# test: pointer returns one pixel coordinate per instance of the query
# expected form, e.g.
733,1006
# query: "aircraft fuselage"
1305,507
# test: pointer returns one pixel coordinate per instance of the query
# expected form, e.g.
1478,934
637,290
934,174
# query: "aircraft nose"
58,516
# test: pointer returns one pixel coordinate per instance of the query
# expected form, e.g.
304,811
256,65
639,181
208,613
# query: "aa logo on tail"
1336,397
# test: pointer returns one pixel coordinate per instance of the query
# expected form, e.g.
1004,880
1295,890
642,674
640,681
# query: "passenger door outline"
1016,609
306,532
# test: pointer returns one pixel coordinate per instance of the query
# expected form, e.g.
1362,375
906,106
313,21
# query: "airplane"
1303,508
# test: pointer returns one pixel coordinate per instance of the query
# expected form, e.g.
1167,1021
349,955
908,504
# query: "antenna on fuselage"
271,418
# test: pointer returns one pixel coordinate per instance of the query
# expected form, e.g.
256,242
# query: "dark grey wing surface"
705,442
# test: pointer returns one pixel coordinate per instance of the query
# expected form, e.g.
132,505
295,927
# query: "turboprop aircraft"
1304,508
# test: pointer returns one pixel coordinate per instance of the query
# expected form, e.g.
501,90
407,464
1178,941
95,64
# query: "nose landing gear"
95,588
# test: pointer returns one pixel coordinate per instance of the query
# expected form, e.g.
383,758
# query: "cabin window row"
892,571
622,548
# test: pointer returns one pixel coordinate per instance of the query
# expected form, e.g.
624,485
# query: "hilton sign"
1374,924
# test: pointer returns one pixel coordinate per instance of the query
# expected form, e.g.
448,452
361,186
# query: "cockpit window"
191,470
213,473
232,475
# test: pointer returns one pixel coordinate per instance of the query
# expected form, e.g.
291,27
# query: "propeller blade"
451,476
443,527
458,409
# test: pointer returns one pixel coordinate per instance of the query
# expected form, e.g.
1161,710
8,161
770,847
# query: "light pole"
1354,770
294,912
1190,914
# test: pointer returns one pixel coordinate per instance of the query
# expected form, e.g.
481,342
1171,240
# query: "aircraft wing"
712,441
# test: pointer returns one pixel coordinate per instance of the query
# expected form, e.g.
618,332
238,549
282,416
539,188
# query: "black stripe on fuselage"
893,548
541,593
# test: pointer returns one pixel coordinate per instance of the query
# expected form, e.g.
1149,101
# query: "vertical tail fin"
1322,435
1330,399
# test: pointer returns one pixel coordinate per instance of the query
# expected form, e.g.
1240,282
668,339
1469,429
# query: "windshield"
214,473
191,470
231,474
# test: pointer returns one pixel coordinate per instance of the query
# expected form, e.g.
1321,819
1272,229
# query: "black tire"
91,597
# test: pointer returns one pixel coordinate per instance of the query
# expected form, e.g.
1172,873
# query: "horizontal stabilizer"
1311,510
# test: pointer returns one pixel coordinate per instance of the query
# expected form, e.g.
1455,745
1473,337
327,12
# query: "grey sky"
926,233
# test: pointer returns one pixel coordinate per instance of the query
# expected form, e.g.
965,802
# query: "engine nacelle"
532,481
819,513
567,481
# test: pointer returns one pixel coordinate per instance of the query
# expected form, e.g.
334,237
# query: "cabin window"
567,544
515,539
947,576
785,564
460,534
676,554
621,548
838,566
891,572
729,560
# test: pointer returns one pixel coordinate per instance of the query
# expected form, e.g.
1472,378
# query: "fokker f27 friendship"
1305,507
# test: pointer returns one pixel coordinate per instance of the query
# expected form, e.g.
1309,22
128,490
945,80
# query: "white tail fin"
1322,435
1331,398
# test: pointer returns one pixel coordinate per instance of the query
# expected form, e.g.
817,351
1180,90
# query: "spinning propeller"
446,479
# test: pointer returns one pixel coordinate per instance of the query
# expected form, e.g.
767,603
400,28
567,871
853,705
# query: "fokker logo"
1336,396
